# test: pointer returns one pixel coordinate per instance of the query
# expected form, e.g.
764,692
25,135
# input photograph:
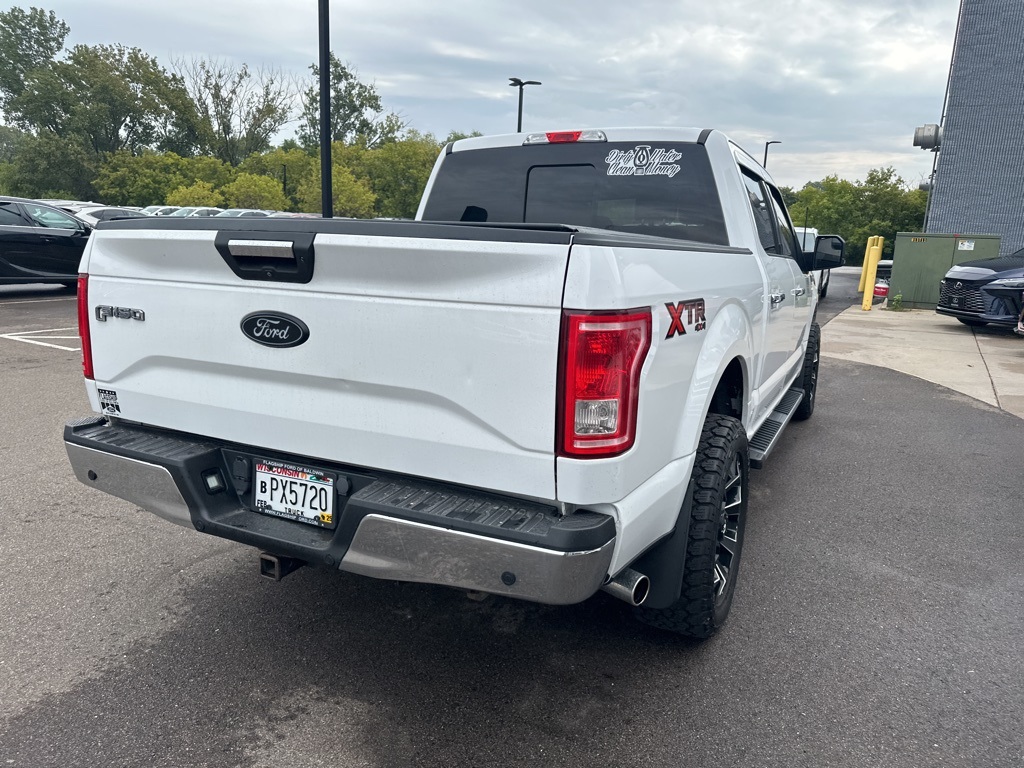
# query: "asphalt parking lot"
879,618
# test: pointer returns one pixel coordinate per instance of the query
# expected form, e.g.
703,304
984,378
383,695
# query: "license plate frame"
295,492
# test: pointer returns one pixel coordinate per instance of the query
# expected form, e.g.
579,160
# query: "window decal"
643,161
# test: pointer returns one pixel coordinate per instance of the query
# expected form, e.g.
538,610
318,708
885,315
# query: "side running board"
767,437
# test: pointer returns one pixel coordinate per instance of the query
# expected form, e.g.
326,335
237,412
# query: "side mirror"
828,252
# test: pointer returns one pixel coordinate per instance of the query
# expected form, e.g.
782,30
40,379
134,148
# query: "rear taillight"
602,354
83,325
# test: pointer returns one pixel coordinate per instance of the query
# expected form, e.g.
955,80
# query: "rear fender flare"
729,337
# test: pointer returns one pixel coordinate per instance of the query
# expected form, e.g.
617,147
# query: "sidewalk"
985,364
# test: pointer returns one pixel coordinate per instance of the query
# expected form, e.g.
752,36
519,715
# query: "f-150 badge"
643,161
686,313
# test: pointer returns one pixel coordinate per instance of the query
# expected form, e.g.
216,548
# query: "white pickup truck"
554,381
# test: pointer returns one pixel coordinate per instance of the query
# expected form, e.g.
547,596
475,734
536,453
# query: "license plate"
956,302
297,493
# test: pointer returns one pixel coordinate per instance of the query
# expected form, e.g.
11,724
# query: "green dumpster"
921,260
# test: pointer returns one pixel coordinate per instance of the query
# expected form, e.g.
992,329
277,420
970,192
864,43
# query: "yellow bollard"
864,266
871,259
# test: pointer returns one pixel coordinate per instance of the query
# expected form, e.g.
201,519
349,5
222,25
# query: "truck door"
801,292
783,281
22,248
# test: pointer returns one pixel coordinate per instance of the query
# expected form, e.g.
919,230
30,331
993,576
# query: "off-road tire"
809,376
714,544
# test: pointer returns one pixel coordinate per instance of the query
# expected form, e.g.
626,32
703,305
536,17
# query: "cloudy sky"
841,83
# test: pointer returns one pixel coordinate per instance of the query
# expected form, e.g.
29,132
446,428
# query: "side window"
9,216
762,213
787,241
48,217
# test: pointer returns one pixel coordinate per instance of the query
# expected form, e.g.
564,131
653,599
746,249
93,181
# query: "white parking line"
36,301
33,337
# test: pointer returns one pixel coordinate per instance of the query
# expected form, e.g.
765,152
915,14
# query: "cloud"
842,83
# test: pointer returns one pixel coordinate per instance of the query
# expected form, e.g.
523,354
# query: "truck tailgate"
432,349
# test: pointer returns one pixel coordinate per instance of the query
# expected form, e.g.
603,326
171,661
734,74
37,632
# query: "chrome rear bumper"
403,550
374,536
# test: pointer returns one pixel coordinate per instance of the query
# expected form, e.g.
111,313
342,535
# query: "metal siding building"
979,180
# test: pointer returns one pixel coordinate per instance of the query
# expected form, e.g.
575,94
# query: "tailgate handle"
269,249
281,257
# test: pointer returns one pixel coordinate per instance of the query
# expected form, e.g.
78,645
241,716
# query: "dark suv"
985,291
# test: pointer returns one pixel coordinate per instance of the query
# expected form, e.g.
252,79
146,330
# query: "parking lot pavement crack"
988,372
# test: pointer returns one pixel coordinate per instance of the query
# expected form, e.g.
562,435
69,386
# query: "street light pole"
326,184
766,145
515,82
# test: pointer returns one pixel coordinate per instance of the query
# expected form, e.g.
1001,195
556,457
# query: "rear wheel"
971,322
714,544
809,377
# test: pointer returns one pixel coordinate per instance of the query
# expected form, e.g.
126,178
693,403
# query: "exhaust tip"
630,586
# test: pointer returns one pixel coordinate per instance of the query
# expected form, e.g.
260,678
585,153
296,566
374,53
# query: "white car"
197,211
92,216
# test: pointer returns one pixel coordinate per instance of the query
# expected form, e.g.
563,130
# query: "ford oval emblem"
274,329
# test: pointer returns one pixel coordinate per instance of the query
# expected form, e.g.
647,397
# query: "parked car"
70,206
988,291
242,213
161,210
106,213
39,243
200,211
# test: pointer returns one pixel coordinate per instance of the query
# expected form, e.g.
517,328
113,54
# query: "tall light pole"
326,184
766,145
515,82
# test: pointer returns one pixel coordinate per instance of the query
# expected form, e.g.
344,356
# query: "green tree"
397,173
880,205
357,113
111,96
145,179
11,140
456,135
148,178
209,169
352,197
250,190
289,167
53,166
29,40
240,111
201,193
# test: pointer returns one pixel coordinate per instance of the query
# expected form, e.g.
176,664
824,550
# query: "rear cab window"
660,189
